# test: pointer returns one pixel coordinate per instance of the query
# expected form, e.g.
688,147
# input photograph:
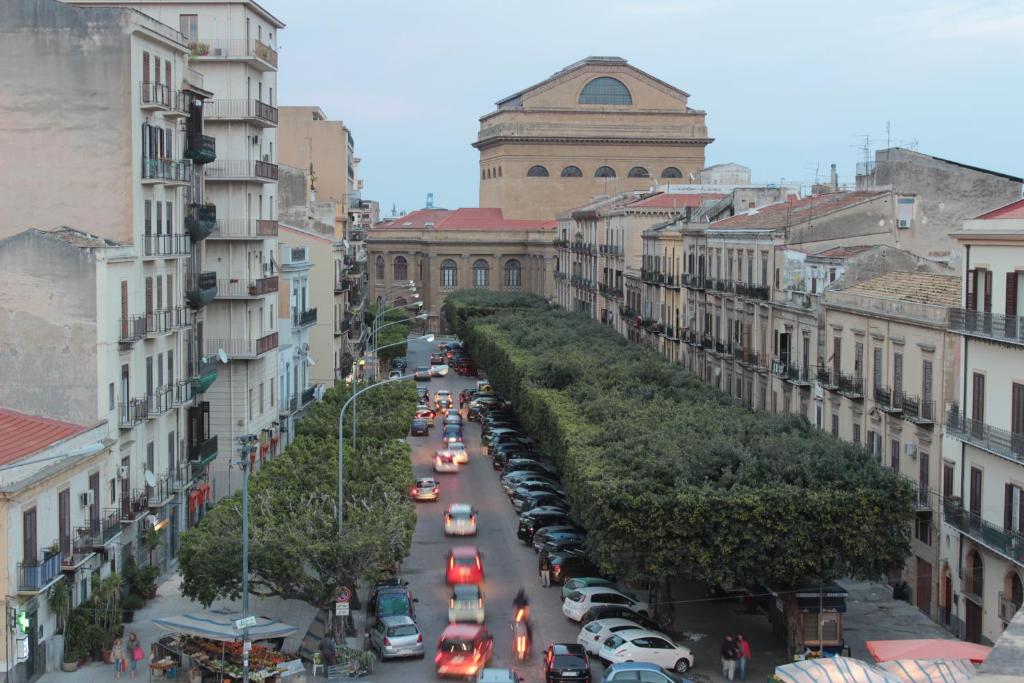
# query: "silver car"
495,675
396,636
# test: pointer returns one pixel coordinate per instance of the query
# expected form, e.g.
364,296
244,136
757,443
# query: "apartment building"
106,324
982,574
296,319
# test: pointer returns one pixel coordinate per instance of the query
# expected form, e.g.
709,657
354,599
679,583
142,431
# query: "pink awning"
939,648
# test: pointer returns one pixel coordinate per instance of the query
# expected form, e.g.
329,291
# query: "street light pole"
247,446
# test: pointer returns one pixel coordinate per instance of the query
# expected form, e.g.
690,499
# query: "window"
449,274
835,425
513,274
671,172
380,267
188,24
401,269
481,273
604,172
537,172
894,455
639,172
856,433
572,172
110,397
605,90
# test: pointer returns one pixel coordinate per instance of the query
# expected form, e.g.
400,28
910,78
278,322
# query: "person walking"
545,570
135,654
329,651
117,656
728,657
743,655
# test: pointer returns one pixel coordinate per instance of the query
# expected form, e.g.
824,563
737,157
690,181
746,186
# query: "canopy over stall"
220,625
936,648
847,670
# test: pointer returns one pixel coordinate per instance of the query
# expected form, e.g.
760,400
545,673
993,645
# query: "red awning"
939,648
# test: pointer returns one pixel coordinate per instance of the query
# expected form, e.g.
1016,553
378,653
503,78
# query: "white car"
579,601
460,520
458,449
445,462
641,645
596,632
466,603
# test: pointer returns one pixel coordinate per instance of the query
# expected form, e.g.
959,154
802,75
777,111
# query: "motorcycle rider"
521,621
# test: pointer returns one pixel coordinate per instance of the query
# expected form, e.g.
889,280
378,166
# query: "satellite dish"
223,356
150,478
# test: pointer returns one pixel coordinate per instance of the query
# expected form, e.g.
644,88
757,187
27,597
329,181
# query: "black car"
388,596
553,546
566,662
527,486
531,523
618,612
542,499
451,433
569,563
420,427
529,465
500,457
562,531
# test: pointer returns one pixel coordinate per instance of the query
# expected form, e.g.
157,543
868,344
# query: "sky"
789,87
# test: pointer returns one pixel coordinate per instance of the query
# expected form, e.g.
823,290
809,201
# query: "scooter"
521,640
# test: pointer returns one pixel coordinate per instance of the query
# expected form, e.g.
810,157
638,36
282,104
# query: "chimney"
835,179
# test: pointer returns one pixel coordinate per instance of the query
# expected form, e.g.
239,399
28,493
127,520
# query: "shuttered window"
926,381
149,296
1011,294
975,504
876,369
1017,410
897,374
972,290
1013,508
858,359
978,398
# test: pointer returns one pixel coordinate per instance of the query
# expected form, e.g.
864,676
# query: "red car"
464,565
463,650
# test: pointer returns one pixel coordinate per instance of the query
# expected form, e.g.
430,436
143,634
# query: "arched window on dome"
605,172
605,90
639,172
449,274
380,267
572,172
513,274
671,172
537,172
401,268
481,273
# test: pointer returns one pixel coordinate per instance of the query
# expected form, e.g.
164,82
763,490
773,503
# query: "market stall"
848,670
209,644
935,648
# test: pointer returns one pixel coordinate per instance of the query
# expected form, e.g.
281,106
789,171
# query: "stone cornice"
565,140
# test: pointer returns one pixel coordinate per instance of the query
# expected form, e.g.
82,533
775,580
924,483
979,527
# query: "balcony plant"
200,49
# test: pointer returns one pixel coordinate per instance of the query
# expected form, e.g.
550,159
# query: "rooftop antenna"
430,200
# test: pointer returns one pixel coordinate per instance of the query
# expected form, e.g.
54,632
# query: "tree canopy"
294,549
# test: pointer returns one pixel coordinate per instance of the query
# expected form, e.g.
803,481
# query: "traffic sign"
245,622
341,609
344,595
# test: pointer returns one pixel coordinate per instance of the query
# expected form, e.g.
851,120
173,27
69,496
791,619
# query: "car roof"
612,622
642,633
442,391
634,666
464,551
424,481
567,649
462,630
590,590
398,620
495,675
420,420
460,507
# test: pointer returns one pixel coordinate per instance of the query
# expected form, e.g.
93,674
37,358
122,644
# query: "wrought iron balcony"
561,244
74,550
851,386
160,401
201,149
166,245
110,526
798,375
244,288
160,96
200,289
828,378
248,170
1006,542
133,506
257,53
159,495
1008,329
202,374
693,281
918,410
203,451
723,348
304,318
132,412
307,395
166,171
672,281
752,291
200,221
35,576
341,285
131,329
250,110
244,229
243,348
889,400
344,325
1001,442
1007,608
182,392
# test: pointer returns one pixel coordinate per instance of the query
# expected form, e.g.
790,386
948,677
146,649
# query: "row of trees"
671,476
295,551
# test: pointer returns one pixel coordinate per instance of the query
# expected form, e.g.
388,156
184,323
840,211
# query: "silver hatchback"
396,636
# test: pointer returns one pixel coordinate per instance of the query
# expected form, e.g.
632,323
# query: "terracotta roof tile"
1013,210
794,211
671,200
464,219
22,435
922,288
844,252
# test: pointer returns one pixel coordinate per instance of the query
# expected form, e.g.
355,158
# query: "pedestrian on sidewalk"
728,657
117,655
545,570
135,653
743,653
329,651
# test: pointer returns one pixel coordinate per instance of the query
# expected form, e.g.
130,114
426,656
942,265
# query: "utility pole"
246,452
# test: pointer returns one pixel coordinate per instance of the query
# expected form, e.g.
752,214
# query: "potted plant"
59,600
152,543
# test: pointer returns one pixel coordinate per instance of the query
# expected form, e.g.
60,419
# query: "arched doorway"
973,592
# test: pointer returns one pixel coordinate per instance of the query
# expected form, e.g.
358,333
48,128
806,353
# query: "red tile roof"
22,435
464,219
670,200
794,211
1014,210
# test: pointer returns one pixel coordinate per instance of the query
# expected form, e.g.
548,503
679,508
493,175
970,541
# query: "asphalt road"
508,563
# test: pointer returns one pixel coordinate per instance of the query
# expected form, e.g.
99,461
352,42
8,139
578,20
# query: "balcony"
201,149
1001,442
304,318
200,289
110,527
990,326
290,406
343,326
257,53
723,349
1008,543
166,171
200,220
243,229
673,281
609,291
245,288
850,386
250,111
161,494
671,333
1007,608
75,550
719,285
919,411
561,244
203,374
131,330
203,452
797,375
889,400
166,246
133,506
160,401
828,379
241,170
341,285
753,291
242,348
34,577
307,395
692,281
182,392
751,359
161,97
132,412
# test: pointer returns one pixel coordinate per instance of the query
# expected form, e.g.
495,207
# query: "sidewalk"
170,602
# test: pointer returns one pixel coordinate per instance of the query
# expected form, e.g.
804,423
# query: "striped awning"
848,670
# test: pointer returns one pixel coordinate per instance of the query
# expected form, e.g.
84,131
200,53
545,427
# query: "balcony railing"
561,244
1006,542
110,525
200,289
251,110
753,291
693,281
162,96
341,285
235,288
243,348
997,441
167,170
1007,608
133,506
851,386
160,401
166,245
241,169
609,291
919,411
828,379
307,395
994,326
243,229
200,220
201,149
672,281
203,451
889,400
263,56
77,549
182,392
798,375
719,285
132,412
159,495
34,576
131,329
303,318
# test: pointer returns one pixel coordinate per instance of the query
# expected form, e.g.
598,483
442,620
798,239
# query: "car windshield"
575,596
461,514
423,368
456,645
593,627
403,630
568,662
465,561
425,483
392,605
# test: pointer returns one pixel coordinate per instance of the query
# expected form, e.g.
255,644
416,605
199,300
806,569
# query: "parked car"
513,481
528,486
618,612
589,582
646,646
495,675
422,373
466,603
445,462
553,546
566,662
420,427
569,563
426,489
463,650
391,601
593,635
395,374
464,565
529,465
582,599
466,368
500,457
385,586
458,449
542,499
396,636
400,363
460,520
559,531
643,671
530,524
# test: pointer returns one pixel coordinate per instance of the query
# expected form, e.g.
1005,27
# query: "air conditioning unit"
85,499
122,472
903,223
910,450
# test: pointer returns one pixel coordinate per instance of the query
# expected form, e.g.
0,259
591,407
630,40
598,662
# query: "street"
508,563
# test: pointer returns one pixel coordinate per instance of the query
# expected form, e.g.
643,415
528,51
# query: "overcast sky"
789,87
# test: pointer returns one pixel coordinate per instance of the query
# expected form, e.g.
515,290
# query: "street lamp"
427,338
341,439
246,455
